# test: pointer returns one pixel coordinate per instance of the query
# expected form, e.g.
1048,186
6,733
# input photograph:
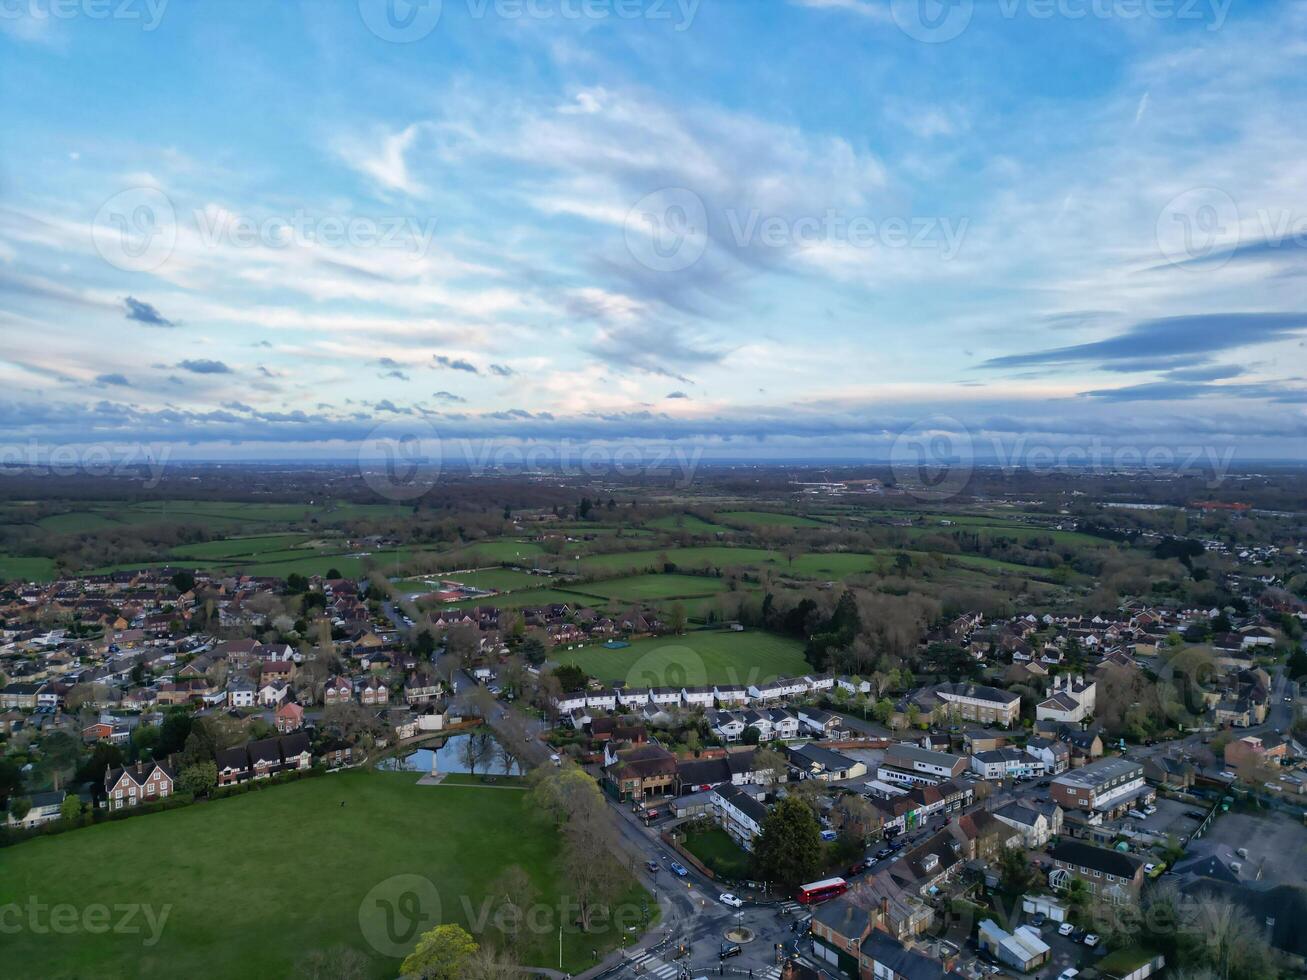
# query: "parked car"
1195,814
1070,973
1149,868
1065,929
829,835
1091,940
734,901
678,869
1038,919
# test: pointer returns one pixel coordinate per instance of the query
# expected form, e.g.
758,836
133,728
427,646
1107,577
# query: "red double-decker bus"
820,891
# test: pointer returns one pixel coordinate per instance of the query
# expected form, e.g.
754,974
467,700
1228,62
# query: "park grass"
256,882
14,568
719,853
693,659
639,588
766,518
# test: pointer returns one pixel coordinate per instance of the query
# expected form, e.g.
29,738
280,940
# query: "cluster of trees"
574,801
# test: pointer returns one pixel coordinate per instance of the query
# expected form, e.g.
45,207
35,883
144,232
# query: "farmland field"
642,587
26,569
228,916
707,557
499,579
685,522
705,657
763,518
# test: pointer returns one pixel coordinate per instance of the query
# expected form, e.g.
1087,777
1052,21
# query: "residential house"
1071,701
812,761
1006,763
642,772
273,693
822,724
1109,874
1053,755
142,782
740,814
1038,823
45,809
1108,787
290,718
338,690
839,928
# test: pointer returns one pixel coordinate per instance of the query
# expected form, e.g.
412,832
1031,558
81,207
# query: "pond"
449,757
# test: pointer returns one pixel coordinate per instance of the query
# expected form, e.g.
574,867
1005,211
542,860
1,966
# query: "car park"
678,869
734,901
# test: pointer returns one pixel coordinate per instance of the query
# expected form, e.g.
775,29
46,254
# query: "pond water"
448,757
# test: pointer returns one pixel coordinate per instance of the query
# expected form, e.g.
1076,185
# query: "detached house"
143,782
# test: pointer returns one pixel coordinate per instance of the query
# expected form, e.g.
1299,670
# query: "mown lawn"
721,854
254,883
694,659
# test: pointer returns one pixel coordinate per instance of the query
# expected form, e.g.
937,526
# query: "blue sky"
771,229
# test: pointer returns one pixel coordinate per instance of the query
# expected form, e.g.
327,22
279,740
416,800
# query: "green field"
685,522
766,518
525,597
253,883
720,853
240,547
645,587
706,557
504,549
25,569
499,579
837,565
705,657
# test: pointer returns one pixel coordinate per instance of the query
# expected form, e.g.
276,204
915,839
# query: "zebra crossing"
650,965
791,908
